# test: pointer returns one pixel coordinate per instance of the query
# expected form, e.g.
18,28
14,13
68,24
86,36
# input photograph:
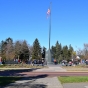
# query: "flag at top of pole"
48,11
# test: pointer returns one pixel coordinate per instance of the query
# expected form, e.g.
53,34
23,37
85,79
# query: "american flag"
48,13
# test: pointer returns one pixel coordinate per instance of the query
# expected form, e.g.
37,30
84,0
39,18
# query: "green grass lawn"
6,80
73,79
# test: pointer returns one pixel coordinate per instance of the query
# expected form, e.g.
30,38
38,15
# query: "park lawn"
76,68
21,66
73,79
6,80
1,66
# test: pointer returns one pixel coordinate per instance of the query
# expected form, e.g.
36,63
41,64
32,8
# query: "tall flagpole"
49,52
50,27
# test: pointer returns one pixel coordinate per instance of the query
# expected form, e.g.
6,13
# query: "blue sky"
26,20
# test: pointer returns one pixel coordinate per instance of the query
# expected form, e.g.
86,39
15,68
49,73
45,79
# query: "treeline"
22,50
10,50
63,52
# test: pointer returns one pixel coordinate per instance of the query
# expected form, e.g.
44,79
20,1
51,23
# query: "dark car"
86,62
37,62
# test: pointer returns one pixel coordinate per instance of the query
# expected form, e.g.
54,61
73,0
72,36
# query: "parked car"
64,63
86,62
69,63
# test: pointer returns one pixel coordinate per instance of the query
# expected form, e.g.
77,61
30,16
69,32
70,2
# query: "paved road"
54,74
51,71
29,72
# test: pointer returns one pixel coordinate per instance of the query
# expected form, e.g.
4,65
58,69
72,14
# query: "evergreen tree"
70,50
61,52
65,52
53,49
3,49
17,49
43,52
24,50
36,54
58,50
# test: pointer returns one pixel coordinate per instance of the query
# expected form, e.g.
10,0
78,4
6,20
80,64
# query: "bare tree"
30,49
85,51
7,48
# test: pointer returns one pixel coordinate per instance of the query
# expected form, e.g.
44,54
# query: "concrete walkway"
47,82
76,85
51,69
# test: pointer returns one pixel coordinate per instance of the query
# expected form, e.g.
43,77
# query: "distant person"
16,61
0,60
55,62
42,62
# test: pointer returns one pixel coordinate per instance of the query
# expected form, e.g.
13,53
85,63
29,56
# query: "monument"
48,57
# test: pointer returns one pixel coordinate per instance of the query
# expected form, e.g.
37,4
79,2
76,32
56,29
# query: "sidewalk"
47,82
76,85
51,69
